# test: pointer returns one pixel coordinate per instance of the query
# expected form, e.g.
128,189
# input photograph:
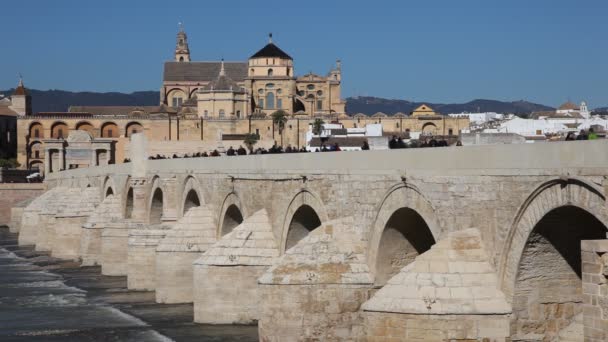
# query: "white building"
349,139
479,118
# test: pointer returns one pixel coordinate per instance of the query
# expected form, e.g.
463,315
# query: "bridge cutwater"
492,243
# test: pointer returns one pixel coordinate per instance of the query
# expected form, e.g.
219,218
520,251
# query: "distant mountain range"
60,100
371,105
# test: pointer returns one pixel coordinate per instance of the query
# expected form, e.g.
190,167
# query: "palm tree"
279,118
250,140
317,126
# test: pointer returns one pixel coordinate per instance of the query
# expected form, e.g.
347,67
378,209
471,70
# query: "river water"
48,299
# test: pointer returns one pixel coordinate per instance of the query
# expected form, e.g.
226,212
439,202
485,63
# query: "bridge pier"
109,210
316,289
65,229
17,213
447,293
46,231
239,258
183,244
30,220
141,259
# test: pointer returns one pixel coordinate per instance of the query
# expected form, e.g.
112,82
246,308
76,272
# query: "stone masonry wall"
390,327
313,312
595,290
222,304
13,193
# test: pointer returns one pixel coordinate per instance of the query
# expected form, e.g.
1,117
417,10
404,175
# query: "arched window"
109,130
261,103
319,104
181,59
206,114
270,72
279,103
270,101
238,114
222,113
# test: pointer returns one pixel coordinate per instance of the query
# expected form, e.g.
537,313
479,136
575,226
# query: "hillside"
60,100
371,105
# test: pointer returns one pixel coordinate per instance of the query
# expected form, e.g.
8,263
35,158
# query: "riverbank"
49,299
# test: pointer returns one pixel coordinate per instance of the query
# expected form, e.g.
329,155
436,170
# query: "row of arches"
539,268
61,130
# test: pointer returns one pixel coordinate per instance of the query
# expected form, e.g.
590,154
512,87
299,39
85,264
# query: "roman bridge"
417,244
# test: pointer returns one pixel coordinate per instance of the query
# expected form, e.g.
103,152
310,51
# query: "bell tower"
182,52
21,100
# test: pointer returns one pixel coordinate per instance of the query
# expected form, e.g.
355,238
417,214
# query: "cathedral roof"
568,106
271,50
223,82
202,71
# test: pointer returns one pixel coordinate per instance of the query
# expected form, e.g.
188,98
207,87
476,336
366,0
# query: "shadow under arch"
232,214
156,201
405,226
108,187
546,197
191,195
307,210
549,273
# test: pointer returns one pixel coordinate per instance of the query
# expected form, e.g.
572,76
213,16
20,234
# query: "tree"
250,140
279,118
11,163
317,126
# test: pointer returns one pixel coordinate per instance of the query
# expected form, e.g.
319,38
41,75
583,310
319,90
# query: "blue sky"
545,51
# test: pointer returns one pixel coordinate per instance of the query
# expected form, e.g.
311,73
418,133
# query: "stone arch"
429,127
300,218
36,150
109,130
191,195
36,127
36,164
232,214
156,203
176,93
405,226
548,196
541,264
132,128
128,213
108,186
85,126
59,129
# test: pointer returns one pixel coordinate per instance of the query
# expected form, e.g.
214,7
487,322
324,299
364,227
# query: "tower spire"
222,70
182,52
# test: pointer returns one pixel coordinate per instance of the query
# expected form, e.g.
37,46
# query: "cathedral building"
263,84
205,106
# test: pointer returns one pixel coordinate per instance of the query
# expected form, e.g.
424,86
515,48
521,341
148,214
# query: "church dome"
271,51
568,106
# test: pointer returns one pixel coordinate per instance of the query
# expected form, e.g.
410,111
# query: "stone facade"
595,290
507,221
17,196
